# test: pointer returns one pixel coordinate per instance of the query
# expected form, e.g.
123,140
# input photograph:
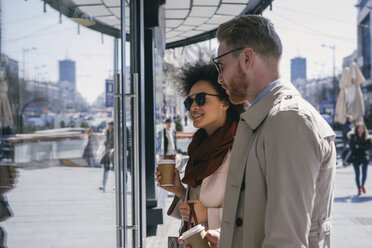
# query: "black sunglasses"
218,64
199,100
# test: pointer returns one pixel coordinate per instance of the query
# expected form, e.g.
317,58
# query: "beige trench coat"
279,188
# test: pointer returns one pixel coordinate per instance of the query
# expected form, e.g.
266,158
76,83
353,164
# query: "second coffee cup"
166,169
196,237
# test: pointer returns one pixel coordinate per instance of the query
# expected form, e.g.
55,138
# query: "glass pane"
59,84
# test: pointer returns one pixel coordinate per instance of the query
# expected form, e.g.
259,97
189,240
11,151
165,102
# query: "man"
169,140
347,127
279,188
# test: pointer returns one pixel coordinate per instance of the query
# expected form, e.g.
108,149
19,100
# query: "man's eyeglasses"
199,100
218,64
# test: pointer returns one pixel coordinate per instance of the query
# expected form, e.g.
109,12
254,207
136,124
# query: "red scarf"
206,153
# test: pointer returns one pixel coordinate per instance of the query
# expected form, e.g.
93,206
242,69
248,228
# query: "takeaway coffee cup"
166,169
195,237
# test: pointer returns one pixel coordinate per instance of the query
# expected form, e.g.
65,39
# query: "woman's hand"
184,209
177,187
212,236
200,211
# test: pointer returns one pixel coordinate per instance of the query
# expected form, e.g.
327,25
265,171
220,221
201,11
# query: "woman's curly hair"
206,71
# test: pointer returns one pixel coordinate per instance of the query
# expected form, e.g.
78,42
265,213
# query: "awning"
186,21
350,101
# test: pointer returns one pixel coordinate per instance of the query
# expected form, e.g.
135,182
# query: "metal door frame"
136,40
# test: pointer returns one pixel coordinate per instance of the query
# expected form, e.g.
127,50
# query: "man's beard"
237,88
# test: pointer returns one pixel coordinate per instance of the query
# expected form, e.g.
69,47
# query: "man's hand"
213,237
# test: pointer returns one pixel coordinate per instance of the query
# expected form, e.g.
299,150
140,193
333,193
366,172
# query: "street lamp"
333,47
24,51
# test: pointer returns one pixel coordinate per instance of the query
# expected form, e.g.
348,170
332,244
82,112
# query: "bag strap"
192,215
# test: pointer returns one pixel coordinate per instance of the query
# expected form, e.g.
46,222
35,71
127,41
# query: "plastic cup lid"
167,161
192,231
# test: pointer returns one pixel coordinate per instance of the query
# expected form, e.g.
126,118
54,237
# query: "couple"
272,168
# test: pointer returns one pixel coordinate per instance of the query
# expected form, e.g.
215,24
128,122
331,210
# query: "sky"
25,26
304,26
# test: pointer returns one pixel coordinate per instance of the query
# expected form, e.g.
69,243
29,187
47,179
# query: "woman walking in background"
89,149
360,143
107,158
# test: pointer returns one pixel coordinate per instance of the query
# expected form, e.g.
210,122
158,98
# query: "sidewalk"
62,207
352,215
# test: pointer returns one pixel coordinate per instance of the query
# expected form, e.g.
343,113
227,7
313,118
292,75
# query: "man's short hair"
110,123
252,31
168,120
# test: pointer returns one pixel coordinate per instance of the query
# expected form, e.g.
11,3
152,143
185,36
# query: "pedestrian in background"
169,140
360,143
88,154
346,128
107,158
279,187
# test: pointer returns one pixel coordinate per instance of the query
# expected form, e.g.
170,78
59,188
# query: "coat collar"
256,114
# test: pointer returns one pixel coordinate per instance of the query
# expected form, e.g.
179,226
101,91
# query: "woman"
360,143
107,158
209,151
88,153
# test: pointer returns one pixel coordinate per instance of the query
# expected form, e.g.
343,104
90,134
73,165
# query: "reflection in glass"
55,84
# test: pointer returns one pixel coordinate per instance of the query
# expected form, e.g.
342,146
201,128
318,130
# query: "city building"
67,95
364,52
364,37
67,82
298,68
67,72
348,60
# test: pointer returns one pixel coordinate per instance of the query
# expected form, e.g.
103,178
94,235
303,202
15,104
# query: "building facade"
298,68
364,38
364,52
67,72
